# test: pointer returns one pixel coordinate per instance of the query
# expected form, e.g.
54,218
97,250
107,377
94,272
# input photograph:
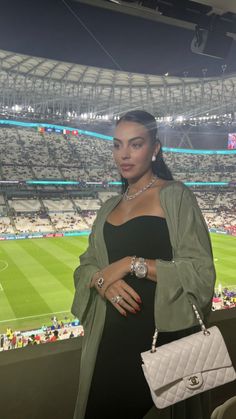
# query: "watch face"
140,269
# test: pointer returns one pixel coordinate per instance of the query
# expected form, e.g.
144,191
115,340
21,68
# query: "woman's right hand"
128,299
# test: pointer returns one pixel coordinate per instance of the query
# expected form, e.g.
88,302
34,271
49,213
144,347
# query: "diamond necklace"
128,197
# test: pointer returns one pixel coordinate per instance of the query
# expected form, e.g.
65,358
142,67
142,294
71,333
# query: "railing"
40,382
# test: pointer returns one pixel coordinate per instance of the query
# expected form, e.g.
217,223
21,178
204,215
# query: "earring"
154,157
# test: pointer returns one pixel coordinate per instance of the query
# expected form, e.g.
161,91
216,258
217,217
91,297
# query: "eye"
115,145
136,145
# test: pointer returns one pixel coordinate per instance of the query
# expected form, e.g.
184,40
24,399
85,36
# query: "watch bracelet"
132,263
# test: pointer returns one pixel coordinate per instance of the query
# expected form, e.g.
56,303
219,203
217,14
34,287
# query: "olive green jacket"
190,276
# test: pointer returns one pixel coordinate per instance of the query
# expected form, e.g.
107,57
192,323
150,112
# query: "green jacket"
190,276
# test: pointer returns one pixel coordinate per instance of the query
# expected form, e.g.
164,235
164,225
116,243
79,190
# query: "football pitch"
36,277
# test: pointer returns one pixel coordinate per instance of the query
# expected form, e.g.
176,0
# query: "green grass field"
36,277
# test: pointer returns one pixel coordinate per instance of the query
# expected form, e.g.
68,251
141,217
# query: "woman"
149,255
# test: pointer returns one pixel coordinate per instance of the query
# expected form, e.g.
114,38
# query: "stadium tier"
26,154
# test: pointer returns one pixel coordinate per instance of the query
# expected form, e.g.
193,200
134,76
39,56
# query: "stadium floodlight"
179,118
16,108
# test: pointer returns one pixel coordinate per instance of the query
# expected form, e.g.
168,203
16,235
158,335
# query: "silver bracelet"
132,265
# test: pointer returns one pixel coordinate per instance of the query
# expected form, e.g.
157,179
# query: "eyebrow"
131,139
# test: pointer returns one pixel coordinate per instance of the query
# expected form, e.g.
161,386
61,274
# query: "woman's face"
133,150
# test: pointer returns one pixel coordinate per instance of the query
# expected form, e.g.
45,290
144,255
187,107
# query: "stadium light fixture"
179,118
16,108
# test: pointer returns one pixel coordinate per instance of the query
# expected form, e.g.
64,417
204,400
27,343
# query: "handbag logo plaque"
193,381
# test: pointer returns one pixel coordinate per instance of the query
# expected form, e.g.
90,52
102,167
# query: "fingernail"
124,314
139,300
138,309
133,310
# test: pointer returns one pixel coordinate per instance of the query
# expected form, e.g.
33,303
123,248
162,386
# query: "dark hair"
144,118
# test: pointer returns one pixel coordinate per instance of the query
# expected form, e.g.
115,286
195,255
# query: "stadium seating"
32,223
87,204
58,205
25,205
5,225
53,156
33,155
68,221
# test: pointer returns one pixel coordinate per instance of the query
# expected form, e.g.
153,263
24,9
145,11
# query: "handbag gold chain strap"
202,325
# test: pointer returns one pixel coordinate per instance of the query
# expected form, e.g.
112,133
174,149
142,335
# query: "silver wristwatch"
140,268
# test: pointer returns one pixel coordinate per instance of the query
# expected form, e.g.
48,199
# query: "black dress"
119,389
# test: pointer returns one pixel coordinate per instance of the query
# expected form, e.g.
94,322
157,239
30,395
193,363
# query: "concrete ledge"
40,382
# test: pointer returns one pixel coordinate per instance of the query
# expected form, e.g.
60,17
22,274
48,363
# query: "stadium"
56,171
55,176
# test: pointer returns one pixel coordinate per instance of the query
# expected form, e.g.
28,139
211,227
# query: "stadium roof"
49,86
186,15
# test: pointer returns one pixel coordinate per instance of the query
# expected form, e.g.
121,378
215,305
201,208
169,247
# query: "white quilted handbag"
187,366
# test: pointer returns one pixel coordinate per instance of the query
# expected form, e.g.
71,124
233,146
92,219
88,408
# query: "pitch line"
33,317
4,267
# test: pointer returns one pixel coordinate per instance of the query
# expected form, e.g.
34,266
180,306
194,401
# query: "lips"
126,166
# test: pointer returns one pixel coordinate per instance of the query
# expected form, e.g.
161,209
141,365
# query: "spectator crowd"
58,330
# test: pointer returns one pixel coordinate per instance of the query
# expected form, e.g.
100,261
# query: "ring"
116,299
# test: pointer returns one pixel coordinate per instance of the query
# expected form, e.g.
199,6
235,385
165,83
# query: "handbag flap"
181,358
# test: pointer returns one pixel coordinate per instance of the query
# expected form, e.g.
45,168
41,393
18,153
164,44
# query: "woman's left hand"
128,299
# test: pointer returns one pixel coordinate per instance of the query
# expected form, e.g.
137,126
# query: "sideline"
34,317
